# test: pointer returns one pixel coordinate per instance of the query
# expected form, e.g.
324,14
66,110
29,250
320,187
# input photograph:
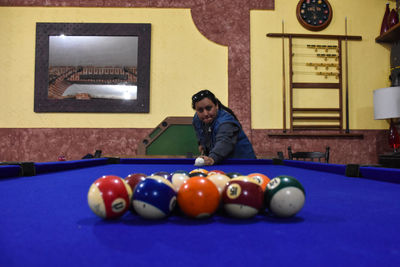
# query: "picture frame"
74,62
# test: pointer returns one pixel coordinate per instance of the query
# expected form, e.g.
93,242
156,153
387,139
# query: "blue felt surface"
45,221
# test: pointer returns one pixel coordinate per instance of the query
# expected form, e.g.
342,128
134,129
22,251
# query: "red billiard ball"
198,197
154,198
242,198
109,196
135,178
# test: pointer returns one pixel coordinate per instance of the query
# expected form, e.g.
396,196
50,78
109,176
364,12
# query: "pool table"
346,221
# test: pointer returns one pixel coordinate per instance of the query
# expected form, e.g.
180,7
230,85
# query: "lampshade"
387,103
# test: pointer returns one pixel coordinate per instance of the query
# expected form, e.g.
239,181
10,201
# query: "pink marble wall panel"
253,4
46,144
227,22
343,150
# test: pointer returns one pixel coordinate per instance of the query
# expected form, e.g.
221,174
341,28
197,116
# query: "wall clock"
314,15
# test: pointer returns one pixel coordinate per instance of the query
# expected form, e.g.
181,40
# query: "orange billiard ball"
198,197
109,196
261,179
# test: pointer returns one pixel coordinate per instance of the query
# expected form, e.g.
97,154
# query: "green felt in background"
175,140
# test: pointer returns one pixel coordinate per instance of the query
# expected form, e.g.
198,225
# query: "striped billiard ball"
261,179
242,198
109,196
284,196
154,198
177,178
220,181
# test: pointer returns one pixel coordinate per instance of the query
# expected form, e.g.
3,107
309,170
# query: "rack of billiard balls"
197,194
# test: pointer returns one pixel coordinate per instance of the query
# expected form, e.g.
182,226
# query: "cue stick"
283,78
347,78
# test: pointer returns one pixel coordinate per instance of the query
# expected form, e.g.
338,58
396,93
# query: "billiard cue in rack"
316,65
317,47
347,78
323,56
283,77
326,74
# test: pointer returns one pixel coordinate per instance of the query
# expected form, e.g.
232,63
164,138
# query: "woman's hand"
207,160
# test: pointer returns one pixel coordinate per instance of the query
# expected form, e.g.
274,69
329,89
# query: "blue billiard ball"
154,198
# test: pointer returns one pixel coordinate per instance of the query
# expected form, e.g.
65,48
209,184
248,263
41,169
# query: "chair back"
309,155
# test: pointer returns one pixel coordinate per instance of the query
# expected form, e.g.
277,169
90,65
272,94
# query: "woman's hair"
208,94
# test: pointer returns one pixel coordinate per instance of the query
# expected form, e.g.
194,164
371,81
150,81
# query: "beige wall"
368,61
182,62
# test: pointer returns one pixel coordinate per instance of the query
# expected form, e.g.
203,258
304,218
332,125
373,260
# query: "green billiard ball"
284,196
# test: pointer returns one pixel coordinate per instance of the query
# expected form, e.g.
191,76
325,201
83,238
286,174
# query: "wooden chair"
309,155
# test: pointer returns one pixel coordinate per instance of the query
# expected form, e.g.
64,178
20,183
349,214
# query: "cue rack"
315,68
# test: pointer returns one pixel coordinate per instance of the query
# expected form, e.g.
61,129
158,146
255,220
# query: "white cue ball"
199,162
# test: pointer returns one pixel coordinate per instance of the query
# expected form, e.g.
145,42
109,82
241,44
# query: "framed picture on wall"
92,67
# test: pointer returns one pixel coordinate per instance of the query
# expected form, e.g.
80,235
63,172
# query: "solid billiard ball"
284,196
177,179
261,179
154,198
199,170
135,178
220,181
198,197
233,174
199,162
109,196
197,174
242,198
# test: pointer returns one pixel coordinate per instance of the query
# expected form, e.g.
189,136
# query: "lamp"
387,106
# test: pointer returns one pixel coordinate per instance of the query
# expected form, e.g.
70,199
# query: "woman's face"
206,110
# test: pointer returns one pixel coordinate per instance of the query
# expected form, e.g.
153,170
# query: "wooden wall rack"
316,118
